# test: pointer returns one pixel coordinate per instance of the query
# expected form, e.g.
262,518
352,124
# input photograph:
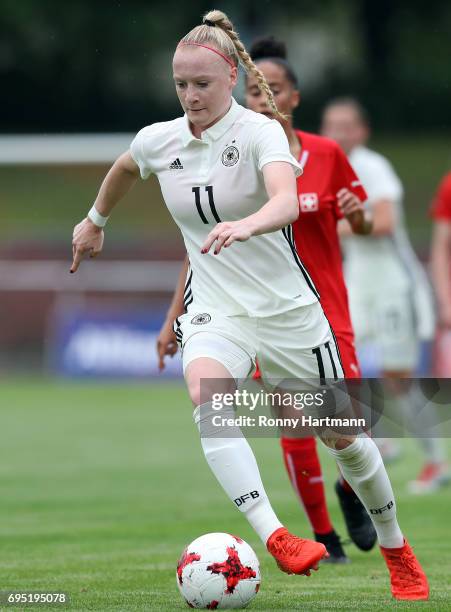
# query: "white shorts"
389,324
297,344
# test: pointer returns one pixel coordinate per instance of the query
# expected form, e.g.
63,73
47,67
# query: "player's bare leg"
233,463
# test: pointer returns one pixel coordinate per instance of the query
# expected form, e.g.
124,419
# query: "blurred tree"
106,65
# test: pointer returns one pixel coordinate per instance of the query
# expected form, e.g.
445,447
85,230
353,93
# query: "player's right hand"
348,202
226,233
87,238
166,343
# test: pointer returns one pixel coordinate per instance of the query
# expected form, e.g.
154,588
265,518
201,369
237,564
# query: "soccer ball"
218,570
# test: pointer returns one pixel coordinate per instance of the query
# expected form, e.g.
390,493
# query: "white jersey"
381,265
219,178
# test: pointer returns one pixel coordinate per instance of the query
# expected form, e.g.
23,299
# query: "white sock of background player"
232,461
420,417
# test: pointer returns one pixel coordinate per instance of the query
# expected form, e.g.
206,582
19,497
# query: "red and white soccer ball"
218,570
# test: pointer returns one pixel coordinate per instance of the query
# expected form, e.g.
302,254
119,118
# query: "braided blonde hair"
223,36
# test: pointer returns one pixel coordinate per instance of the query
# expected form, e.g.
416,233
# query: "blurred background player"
441,274
390,300
327,190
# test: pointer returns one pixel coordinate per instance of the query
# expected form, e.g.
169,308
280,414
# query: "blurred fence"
102,321
62,148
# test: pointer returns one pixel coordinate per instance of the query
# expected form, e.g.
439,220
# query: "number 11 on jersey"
211,202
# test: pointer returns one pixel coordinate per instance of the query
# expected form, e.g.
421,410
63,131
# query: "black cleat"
332,542
358,523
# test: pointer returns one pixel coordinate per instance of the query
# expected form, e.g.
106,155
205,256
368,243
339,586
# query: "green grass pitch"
102,486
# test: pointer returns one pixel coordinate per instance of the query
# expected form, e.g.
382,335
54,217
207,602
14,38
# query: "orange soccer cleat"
408,581
295,555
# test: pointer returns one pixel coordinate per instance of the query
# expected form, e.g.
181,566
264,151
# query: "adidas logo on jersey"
176,165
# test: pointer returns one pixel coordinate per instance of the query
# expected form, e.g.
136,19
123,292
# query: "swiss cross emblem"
309,202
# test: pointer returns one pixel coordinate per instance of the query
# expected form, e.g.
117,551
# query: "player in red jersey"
437,473
328,191
441,241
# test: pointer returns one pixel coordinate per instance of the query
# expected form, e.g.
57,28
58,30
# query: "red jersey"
326,171
441,205
441,211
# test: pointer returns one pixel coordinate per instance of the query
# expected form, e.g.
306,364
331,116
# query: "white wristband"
97,218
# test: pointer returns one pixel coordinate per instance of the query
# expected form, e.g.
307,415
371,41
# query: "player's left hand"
224,234
348,202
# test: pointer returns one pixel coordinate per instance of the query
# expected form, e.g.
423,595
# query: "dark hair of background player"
268,48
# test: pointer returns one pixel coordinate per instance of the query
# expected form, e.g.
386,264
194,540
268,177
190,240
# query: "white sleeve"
271,144
384,183
141,150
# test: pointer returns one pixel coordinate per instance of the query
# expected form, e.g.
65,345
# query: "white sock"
362,466
420,418
433,449
233,463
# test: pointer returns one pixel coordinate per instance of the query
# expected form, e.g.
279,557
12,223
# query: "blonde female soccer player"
326,173
229,180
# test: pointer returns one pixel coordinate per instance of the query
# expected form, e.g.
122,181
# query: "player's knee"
194,390
202,390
